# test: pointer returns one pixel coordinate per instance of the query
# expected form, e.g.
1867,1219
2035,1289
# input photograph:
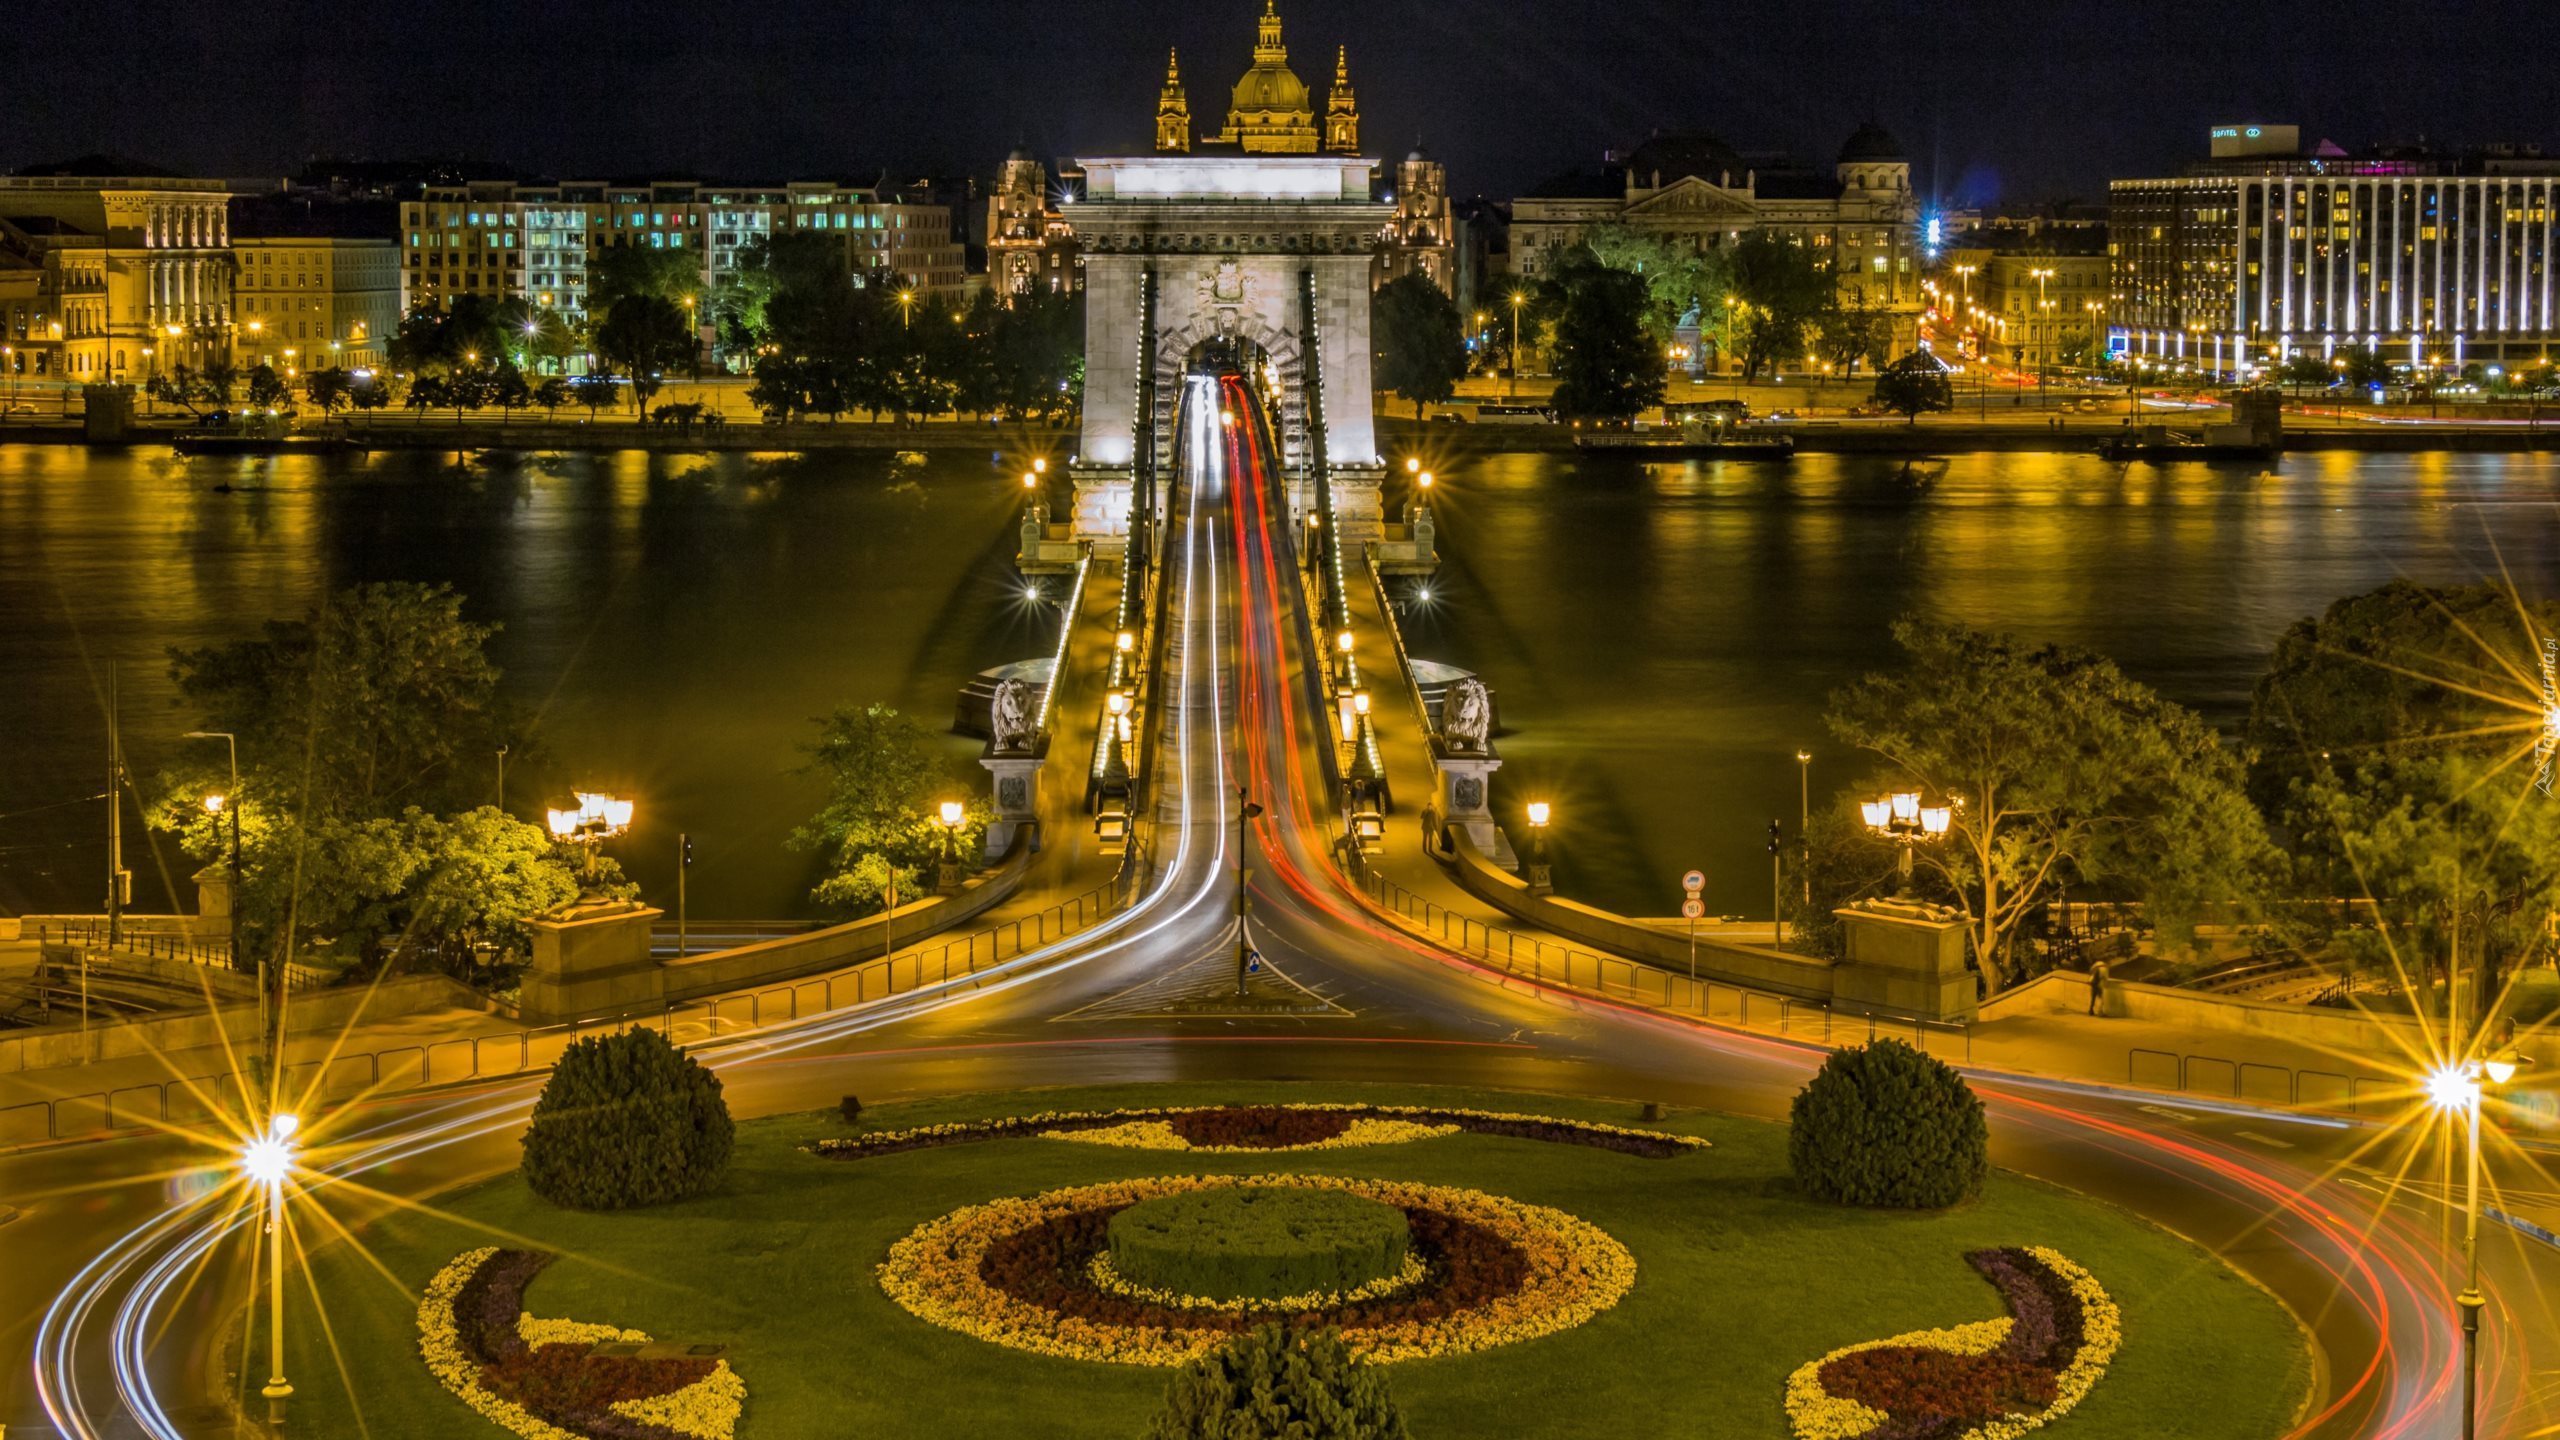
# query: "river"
1661,636
676,620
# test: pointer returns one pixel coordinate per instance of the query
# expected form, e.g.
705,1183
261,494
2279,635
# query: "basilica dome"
1268,87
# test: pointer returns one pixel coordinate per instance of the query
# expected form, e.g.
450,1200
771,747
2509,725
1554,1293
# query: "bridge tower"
1251,251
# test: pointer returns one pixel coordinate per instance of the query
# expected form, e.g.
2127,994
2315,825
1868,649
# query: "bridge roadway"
126,1347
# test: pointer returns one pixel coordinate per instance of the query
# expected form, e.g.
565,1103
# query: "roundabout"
1543,1289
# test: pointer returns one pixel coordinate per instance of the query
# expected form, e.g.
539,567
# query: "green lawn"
1738,1282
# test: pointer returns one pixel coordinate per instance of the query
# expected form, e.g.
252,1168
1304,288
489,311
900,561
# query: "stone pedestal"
1466,794
592,961
213,895
1017,799
1104,495
1904,957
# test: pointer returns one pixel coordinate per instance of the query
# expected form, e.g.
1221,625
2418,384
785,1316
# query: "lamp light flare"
951,814
268,1158
1539,810
2452,1087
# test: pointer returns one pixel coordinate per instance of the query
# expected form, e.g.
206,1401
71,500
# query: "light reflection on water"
1662,636
676,618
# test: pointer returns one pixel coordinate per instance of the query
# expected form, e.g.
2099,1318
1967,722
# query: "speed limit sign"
1692,908
1694,881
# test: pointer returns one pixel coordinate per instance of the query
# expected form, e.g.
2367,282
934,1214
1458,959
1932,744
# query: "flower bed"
1258,1129
541,1378
1022,1273
1989,1380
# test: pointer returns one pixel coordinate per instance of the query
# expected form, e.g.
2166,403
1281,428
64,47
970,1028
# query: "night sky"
1998,102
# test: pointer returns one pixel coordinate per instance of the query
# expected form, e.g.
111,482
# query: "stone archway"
1274,250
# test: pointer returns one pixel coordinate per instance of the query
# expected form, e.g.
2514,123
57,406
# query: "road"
130,1258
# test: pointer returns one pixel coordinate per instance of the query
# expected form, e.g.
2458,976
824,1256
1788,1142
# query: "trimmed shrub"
1886,1125
627,1120
1258,1242
1275,1384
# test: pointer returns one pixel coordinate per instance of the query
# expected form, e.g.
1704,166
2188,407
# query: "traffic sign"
1694,881
1692,908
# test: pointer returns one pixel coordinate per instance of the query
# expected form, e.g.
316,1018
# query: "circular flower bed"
549,1379
1989,1380
1258,1242
1023,1273
1255,1129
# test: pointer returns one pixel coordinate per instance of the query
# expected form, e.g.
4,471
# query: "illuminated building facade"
507,240
1420,239
2267,250
134,272
1862,216
1030,245
318,283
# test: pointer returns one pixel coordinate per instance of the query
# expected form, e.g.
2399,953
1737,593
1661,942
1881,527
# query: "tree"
468,330
2393,739
372,393
1421,350
426,393
1606,367
627,1120
551,394
328,388
1681,280
1277,1383
1851,332
2362,367
217,381
2306,369
508,390
885,785
1039,354
1778,288
2058,767
644,337
266,388
623,272
363,729
469,388
1885,1125
1915,384
537,336
595,392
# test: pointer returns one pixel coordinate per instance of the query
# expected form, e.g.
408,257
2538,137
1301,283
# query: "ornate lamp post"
597,819
950,819
1901,818
1541,879
2456,1089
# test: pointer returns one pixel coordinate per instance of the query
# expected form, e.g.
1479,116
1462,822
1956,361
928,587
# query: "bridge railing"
347,1076
1555,964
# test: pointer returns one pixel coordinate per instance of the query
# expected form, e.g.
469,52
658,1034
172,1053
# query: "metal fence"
345,1076
2260,1082
1552,962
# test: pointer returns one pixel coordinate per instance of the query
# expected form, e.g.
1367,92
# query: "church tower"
1271,113
1173,112
1342,109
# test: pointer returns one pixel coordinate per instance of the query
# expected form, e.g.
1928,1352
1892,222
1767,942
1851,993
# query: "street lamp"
2456,1089
267,1160
1518,299
1541,880
906,308
1804,817
1246,810
1901,818
597,819
951,815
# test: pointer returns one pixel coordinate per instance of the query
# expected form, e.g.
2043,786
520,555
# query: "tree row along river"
1661,637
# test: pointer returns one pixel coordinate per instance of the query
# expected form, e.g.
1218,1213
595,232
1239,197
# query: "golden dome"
1271,87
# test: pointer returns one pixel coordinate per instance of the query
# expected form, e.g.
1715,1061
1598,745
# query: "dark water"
676,620
1662,636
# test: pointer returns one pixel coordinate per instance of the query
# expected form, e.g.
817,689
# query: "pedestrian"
2097,987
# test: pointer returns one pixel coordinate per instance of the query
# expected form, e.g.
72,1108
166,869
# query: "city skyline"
1508,100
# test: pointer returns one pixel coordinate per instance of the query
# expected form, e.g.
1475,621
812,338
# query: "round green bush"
627,1120
1258,1242
1276,1384
1888,1126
